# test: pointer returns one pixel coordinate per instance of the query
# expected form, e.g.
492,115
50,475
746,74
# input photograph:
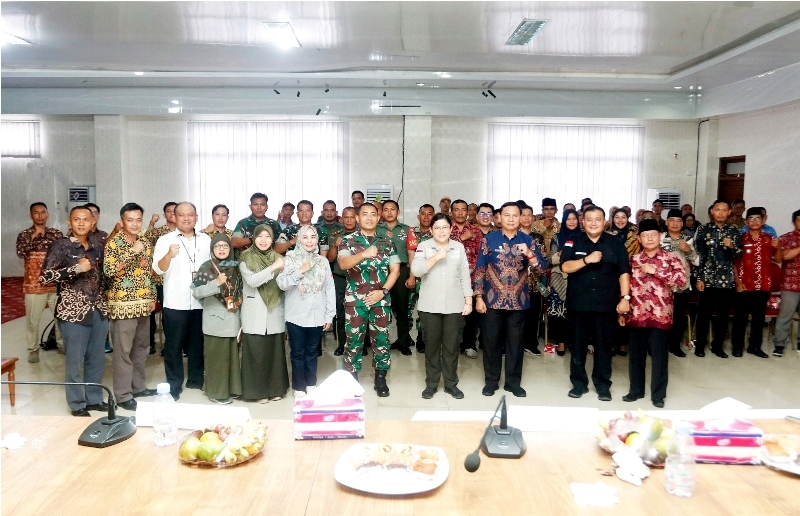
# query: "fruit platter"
644,434
221,446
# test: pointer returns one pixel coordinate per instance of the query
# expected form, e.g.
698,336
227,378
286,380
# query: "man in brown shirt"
32,246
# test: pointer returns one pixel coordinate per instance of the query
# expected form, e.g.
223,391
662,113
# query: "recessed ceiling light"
699,87
525,32
283,34
176,101
174,110
699,94
138,73
647,100
420,84
14,40
691,87
677,87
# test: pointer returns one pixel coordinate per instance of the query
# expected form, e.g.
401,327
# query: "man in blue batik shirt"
500,284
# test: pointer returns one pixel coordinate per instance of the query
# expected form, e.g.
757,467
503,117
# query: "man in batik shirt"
32,246
546,224
717,243
790,286
372,267
753,284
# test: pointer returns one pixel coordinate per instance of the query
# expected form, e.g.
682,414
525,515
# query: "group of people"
474,274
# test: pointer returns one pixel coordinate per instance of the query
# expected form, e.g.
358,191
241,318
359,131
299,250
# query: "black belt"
340,275
404,263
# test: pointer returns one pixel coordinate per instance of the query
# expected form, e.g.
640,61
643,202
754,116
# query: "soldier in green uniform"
340,277
288,237
243,232
372,268
330,223
397,232
416,236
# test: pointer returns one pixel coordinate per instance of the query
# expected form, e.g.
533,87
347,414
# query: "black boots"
380,384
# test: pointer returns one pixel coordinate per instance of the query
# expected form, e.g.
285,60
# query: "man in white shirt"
176,257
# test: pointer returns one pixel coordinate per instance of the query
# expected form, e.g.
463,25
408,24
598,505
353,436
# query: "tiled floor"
694,382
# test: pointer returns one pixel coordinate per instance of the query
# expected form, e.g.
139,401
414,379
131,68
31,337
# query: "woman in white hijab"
310,306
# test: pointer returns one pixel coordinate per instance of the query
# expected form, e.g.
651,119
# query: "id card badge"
230,303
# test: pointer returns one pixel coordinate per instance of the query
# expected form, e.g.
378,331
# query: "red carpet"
12,299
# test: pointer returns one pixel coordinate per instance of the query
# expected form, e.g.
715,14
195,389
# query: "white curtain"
288,161
21,139
567,163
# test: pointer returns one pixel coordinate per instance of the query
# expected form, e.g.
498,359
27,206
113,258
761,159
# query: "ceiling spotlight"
525,32
277,92
678,87
282,34
420,84
699,94
327,90
492,94
298,94
384,93
174,110
691,87
699,87
319,111
176,101
484,94
138,73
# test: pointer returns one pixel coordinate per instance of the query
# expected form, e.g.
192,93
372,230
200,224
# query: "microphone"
505,442
473,460
104,432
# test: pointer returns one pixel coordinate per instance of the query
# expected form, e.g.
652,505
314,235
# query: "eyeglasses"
754,217
484,214
222,246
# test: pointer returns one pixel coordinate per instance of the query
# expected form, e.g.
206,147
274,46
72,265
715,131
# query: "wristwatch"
625,297
385,291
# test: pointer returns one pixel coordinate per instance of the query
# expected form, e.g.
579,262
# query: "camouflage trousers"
413,296
359,319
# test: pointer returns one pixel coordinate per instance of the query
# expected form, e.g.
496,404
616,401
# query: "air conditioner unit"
379,192
80,195
670,197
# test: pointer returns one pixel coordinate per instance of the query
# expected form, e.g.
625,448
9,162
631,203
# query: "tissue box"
727,441
329,418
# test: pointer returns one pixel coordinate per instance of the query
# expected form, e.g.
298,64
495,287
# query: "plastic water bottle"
165,427
679,472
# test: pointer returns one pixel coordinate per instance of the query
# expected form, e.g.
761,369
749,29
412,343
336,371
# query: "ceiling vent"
525,32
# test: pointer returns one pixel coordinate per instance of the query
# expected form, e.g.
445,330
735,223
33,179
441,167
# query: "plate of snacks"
392,469
782,452
642,433
222,446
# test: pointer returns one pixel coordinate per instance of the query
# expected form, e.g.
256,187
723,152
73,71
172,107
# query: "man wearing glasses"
485,214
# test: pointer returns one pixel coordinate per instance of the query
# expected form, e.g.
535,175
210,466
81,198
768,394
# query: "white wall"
770,141
443,156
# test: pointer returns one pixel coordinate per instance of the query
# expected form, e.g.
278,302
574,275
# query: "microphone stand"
105,431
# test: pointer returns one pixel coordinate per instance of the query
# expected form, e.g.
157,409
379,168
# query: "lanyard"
192,259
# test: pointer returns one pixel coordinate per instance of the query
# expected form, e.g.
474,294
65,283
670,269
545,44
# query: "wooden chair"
9,364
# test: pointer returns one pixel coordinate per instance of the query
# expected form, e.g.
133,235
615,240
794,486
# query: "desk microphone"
504,441
104,432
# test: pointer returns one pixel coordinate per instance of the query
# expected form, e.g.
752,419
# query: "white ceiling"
617,59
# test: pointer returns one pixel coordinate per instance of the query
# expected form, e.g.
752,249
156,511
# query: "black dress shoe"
678,353
405,351
517,391
737,354
757,352
193,386
720,353
338,351
658,403
488,391
152,350
562,352
699,353
428,393
623,352
102,406
145,393
577,392
81,413
455,392
420,349
604,395
632,397
128,405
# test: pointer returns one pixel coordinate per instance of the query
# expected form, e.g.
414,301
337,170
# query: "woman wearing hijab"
218,286
264,374
624,231
310,306
557,300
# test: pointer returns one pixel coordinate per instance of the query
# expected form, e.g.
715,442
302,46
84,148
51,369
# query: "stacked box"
727,441
329,418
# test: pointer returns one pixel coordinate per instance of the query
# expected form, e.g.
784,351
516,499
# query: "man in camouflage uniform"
372,268
340,276
243,232
398,232
416,236
288,237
